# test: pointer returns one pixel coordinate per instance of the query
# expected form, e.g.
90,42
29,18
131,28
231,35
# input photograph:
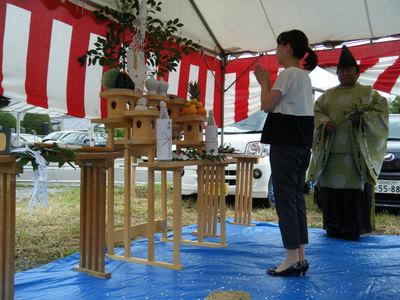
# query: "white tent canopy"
40,41
237,26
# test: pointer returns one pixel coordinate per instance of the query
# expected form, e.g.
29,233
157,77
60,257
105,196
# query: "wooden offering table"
212,203
93,211
8,170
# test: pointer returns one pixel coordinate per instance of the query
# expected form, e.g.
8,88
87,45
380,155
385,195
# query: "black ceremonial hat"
346,59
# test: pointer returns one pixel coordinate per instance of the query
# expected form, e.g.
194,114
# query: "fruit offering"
193,106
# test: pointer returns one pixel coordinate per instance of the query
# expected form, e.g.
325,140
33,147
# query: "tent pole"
18,129
224,62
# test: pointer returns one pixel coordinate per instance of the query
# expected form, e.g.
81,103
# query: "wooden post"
93,212
210,202
110,210
164,207
244,189
177,214
127,202
8,169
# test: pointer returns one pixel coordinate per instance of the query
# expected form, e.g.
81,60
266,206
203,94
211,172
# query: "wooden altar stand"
8,170
211,207
94,168
211,210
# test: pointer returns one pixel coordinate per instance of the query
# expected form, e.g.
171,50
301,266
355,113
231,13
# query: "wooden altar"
97,195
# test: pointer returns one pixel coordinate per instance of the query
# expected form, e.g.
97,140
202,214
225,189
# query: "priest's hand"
355,119
330,127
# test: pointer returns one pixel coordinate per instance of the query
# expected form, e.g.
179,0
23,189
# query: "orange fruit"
202,111
183,111
199,104
192,110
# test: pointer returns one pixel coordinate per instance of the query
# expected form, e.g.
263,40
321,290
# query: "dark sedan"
387,189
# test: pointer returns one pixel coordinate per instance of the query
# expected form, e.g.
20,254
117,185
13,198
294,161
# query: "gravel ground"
25,192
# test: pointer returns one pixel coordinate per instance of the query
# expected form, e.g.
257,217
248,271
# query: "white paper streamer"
39,190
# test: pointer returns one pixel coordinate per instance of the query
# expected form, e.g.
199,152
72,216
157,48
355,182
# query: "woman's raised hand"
262,76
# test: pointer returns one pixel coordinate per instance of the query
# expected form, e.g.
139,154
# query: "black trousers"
289,165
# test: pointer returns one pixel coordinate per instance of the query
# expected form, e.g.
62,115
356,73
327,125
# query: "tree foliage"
35,122
119,133
394,106
7,120
161,47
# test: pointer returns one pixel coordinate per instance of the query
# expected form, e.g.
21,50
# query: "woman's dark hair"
299,43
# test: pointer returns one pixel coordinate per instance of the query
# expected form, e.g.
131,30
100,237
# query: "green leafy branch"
162,47
226,148
193,154
50,154
358,109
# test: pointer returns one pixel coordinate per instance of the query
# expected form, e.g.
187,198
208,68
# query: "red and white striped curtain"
41,40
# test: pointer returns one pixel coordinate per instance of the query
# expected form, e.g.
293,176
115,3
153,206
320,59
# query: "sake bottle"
211,134
164,134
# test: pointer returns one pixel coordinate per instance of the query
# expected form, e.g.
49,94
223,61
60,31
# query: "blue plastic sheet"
369,269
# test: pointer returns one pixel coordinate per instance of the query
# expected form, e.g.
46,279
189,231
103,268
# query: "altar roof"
369,269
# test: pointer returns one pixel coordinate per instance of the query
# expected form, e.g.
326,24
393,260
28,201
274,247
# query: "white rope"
39,190
138,40
136,65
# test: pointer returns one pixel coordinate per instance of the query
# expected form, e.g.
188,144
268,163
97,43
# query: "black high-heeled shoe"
304,266
296,268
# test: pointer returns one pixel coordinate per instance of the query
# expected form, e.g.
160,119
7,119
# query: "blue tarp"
369,269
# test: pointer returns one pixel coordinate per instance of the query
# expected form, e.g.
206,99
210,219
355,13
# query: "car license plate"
387,187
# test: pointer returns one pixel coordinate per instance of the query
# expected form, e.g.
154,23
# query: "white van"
244,136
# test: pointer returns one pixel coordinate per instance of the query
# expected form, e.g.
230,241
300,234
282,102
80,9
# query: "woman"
289,129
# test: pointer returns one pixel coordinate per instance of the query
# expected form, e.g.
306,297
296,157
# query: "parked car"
24,139
387,189
243,136
56,136
99,139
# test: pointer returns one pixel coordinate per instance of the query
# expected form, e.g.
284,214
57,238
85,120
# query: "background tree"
119,133
163,48
394,106
7,120
35,122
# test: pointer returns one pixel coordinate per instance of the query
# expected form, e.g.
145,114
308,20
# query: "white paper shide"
164,134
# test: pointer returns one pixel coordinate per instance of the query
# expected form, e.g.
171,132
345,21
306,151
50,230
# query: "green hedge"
7,120
35,122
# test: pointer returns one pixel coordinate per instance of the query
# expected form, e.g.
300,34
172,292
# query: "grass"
53,233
